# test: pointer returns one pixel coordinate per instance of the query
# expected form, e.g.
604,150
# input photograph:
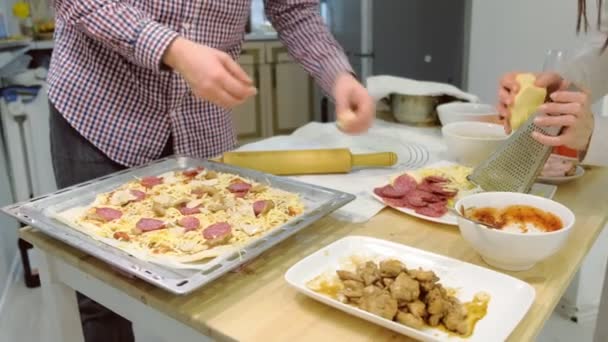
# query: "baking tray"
319,202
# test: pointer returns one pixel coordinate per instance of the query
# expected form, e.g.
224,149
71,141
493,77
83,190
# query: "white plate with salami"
427,193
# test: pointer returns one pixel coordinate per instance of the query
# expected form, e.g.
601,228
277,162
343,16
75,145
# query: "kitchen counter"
256,304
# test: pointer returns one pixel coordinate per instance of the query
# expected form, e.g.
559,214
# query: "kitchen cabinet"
248,117
286,96
292,91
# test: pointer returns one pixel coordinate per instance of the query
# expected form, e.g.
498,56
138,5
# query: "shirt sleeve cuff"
331,69
151,44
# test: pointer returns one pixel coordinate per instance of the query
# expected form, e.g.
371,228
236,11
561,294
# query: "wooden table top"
256,304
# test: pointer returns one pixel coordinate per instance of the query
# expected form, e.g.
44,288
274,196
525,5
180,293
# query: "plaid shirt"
108,80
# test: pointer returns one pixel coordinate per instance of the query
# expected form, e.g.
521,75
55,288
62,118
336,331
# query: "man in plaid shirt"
132,81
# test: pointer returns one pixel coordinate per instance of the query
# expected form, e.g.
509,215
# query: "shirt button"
186,26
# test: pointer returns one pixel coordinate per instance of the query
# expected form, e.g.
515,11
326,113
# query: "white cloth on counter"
380,87
383,136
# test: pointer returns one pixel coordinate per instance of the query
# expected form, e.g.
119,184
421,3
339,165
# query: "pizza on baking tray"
184,216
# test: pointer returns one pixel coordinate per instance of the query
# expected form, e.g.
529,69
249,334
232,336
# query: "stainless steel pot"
415,109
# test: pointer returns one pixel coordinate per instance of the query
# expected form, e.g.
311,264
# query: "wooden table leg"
601,325
59,302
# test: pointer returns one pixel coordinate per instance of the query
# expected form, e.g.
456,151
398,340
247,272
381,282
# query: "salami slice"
437,189
189,211
432,211
217,231
139,195
440,206
427,196
431,198
150,182
193,172
189,223
418,198
148,224
262,207
435,179
378,192
108,214
239,187
446,193
405,183
393,192
398,202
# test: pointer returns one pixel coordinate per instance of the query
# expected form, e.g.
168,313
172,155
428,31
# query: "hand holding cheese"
510,87
346,120
355,108
526,102
567,109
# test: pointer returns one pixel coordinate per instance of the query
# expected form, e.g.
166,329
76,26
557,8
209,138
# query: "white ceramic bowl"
514,251
464,111
469,143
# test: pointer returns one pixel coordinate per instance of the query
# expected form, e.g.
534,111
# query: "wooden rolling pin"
302,162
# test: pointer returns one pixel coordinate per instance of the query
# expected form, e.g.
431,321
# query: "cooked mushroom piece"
381,304
346,275
122,197
369,272
160,204
204,189
215,207
371,290
388,281
180,202
455,316
405,288
434,320
435,301
158,209
352,288
417,308
391,268
410,320
423,276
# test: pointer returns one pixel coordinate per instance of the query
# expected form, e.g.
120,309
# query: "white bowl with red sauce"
527,229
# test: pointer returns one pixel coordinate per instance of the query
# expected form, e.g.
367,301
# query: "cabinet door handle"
256,76
273,76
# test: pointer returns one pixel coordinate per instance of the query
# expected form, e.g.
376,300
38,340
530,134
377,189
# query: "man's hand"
355,108
212,74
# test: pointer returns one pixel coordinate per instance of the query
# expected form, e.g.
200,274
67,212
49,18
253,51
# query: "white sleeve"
597,152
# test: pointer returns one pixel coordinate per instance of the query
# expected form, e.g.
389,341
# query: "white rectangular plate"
510,297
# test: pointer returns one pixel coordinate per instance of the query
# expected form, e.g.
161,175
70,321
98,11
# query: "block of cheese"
346,120
527,100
